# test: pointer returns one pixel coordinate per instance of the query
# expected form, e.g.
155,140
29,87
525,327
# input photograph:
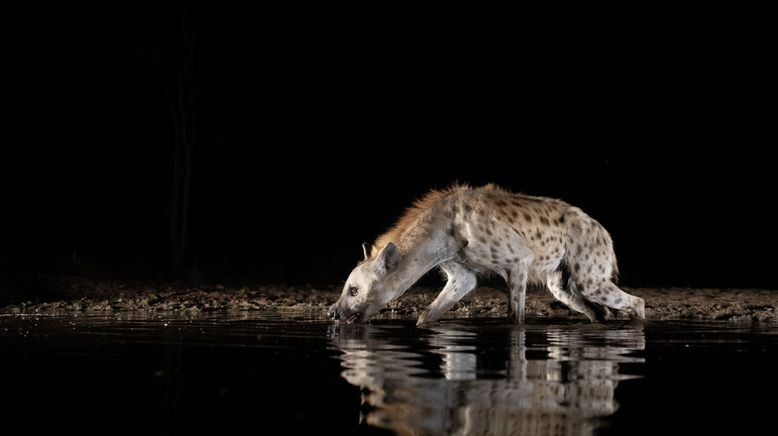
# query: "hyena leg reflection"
460,282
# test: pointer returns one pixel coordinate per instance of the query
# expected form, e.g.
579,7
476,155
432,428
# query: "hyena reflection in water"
564,390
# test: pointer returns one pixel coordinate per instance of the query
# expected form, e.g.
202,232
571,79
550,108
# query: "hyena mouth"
352,318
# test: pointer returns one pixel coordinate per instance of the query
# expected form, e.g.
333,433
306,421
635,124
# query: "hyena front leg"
460,282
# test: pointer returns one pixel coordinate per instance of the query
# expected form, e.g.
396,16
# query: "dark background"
317,125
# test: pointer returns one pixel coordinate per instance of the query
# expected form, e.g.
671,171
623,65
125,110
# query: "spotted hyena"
466,231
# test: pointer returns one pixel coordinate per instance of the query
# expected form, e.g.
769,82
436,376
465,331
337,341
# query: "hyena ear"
387,258
366,249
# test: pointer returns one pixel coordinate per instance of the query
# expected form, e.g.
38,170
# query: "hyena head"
368,287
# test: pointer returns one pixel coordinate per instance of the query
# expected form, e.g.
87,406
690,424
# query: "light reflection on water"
471,379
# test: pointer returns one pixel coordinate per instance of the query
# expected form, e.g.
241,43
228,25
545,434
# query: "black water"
272,374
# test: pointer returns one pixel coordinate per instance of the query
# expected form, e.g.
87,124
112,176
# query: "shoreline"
661,303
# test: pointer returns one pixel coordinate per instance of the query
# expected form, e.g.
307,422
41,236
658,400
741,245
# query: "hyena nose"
333,313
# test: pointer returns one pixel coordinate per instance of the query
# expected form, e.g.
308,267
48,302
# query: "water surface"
272,374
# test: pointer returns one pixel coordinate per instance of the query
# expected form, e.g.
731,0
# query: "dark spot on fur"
516,259
482,240
493,250
589,281
510,248
544,220
451,232
618,300
467,208
515,213
538,235
561,219
577,267
500,203
589,270
527,217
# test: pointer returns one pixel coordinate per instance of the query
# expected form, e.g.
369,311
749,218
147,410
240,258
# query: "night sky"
316,126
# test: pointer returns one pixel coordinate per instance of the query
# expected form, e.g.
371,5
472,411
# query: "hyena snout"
344,315
333,312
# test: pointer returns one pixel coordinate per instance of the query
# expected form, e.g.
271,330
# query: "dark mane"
411,214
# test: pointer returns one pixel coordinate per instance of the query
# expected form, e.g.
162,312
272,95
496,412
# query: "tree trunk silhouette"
181,97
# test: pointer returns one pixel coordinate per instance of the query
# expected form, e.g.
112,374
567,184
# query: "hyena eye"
353,291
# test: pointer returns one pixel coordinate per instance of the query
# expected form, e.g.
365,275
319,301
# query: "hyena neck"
418,257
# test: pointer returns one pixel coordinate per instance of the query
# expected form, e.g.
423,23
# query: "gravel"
83,296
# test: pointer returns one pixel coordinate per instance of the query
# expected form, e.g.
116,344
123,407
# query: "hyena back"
466,231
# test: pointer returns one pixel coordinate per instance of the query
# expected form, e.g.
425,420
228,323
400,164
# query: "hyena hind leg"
573,298
608,294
